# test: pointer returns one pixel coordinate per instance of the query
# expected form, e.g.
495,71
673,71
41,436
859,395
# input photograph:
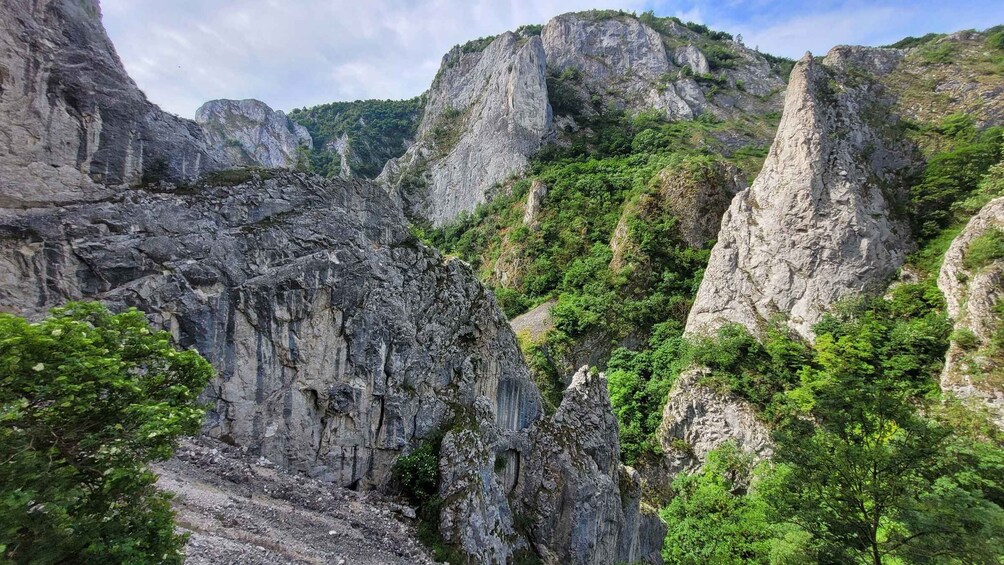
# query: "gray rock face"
487,112
534,202
620,59
339,340
972,295
248,132
816,225
74,122
576,489
691,56
697,420
628,64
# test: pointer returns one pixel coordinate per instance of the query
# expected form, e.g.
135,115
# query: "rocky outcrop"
629,64
576,491
817,224
973,291
697,419
487,112
74,123
534,202
618,57
248,132
691,56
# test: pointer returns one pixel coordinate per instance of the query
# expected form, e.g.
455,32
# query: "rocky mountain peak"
818,222
249,132
77,123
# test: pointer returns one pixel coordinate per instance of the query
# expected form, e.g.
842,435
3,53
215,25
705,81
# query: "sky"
296,53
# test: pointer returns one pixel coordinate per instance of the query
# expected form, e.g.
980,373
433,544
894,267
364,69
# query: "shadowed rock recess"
340,341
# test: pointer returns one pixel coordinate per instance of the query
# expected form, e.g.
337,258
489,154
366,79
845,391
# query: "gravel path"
242,510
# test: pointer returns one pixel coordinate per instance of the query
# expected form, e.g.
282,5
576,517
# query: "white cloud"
304,52
293,53
819,32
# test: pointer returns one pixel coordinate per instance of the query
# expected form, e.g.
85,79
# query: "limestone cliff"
973,290
248,132
625,62
341,342
818,223
490,108
74,123
697,419
487,112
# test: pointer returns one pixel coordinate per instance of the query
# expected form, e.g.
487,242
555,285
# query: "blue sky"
293,53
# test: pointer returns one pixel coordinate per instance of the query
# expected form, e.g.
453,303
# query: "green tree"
87,398
871,478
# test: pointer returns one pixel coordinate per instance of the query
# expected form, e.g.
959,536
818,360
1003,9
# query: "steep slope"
249,133
356,139
75,123
583,65
240,508
486,113
972,280
818,223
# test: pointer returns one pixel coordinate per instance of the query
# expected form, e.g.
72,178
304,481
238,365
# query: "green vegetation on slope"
869,466
377,131
87,399
614,172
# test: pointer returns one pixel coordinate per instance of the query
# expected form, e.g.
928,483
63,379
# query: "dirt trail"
242,510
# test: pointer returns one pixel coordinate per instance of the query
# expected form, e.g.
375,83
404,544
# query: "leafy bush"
562,93
719,56
87,399
952,176
996,39
966,339
715,517
529,30
938,53
983,250
417,474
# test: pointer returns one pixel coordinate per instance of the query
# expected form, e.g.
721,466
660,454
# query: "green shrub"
417,474
911,41
996,40
562,93
87,399
966,339
951,177
983,250
938,53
